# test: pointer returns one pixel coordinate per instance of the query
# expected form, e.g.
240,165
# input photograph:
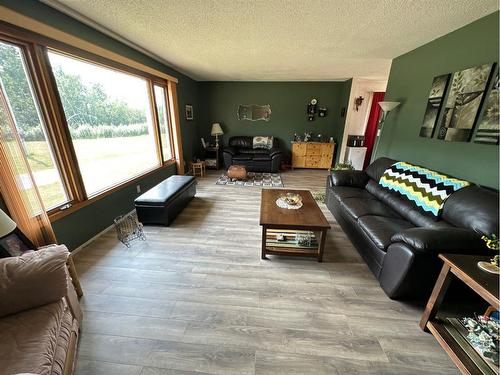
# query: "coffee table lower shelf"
468,361
464,268
308,252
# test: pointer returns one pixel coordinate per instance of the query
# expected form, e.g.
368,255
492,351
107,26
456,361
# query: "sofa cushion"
241,141
404,207
36,340
474,208
33,280
450,240
349,178
251,151
380,229
242,157
262,157
342,192
357,207
376,169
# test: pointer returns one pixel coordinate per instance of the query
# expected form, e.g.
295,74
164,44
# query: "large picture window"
17,94
110,119
79,124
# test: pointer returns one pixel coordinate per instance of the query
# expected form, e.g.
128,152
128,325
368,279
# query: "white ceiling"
280,40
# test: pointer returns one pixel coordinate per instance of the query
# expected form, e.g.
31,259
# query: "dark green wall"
78,227
410,81
219,103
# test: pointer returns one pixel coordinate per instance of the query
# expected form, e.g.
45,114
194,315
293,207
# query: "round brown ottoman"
237,172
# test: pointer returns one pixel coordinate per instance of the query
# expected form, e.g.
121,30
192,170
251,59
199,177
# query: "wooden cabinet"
312,155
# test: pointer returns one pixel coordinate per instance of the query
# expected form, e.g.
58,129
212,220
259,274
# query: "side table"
213,157
486,285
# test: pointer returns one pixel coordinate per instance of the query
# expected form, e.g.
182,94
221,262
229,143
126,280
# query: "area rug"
319,196
253,179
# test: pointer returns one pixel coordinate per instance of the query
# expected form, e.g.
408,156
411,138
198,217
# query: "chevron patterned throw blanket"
427,189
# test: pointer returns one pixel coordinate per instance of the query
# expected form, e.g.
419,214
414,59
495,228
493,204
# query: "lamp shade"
388,106
216,129
7,225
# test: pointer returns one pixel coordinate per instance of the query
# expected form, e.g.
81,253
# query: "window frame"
152,106
29,53
169,120
36,47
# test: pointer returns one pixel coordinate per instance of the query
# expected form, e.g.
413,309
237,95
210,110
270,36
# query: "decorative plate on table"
290,201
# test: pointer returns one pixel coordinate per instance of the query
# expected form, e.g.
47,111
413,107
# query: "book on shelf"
461,334
288,238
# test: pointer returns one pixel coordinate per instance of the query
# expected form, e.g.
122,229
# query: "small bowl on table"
292,199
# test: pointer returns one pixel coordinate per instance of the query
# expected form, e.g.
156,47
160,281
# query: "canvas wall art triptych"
488,127
460,102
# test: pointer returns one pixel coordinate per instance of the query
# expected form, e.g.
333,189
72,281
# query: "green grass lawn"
38,155
52,194
103,162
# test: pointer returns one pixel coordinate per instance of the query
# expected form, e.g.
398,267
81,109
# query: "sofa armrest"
443,240
349,178
229,150
274,151
33,280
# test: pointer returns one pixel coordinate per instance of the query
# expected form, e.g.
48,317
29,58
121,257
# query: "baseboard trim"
90,240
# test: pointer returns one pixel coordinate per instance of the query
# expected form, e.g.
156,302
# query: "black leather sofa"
398,241
240,151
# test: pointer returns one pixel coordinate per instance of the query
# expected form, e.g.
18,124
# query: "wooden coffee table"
284,222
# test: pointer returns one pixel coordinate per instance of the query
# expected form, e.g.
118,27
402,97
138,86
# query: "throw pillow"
32,280
263,142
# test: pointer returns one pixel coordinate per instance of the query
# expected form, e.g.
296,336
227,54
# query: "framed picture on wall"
189,112
434,104
463,103
488,129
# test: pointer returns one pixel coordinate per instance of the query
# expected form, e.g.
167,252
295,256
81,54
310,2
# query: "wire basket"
128,228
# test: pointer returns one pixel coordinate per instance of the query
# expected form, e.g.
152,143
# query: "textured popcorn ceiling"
281,39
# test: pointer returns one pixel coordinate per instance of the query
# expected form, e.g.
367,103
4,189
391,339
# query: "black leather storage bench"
162,203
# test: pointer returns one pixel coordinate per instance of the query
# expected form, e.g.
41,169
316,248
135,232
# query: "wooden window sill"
59,214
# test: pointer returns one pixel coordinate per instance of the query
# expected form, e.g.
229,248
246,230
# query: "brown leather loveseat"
39,314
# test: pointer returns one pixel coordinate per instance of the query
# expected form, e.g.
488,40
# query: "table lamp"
7,225
216,131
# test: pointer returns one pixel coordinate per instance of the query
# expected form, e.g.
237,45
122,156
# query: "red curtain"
371,126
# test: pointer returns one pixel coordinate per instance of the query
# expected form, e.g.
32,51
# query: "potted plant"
346,166
493,243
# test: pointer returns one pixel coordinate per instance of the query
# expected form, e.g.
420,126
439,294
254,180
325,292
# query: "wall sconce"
386,108
357,102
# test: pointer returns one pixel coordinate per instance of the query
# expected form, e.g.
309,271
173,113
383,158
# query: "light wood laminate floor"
196,298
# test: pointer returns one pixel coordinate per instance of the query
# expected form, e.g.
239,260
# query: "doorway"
372,125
